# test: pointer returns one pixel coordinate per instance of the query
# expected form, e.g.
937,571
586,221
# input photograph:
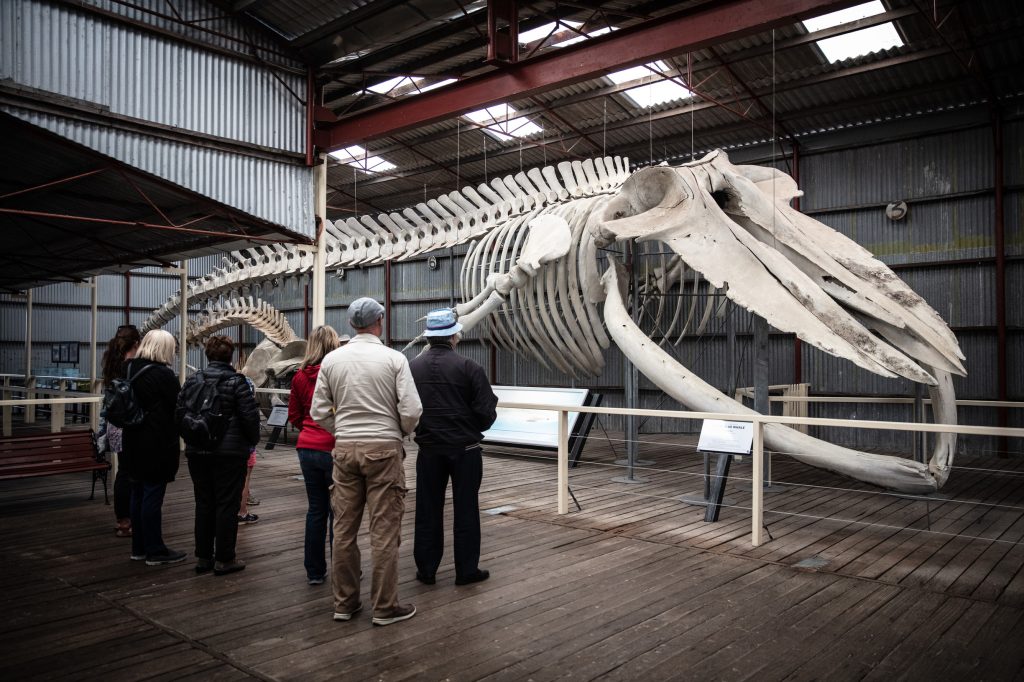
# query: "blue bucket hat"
442,323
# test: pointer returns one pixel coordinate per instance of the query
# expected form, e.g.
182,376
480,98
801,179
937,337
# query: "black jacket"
458,403
151,450
244,425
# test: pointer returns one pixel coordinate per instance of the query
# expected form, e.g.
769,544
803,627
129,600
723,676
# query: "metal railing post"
563,461
8,409
757,485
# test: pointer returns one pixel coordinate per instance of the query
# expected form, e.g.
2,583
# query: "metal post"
30,382
757,492
563,461
631,385
1000,249
94,338
319,283
7,409
916,437
761,403
183,323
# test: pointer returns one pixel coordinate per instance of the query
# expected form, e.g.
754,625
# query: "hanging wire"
458,154
650,117
604,129
689,82
482,133
355,192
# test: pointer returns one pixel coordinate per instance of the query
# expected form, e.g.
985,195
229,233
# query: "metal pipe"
798,355
1000,246
61,181
387,303
310,96
183,323
136,223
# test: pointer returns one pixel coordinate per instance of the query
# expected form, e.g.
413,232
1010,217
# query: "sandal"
123,529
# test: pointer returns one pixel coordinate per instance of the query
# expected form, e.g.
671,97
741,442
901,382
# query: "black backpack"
202,413
120,406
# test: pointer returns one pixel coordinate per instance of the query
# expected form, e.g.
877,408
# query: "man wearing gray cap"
366,397
460,406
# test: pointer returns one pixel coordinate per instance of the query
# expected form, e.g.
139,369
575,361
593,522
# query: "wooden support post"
563,462
757,485
319,283
57,409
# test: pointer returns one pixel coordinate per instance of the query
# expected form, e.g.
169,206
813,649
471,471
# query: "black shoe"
399,613
480,576
169,557
204,565
225,567
425,579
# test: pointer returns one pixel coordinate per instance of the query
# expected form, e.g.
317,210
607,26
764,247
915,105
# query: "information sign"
717,435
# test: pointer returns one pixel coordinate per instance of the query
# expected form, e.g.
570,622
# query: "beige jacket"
365,391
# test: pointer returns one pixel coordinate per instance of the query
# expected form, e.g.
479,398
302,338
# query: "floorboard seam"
173,632
684,545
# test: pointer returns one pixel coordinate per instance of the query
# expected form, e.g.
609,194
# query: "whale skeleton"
532,278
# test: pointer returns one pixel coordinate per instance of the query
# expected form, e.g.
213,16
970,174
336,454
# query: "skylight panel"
534,34
857,43
357,157
438,84
651,94
552,29
392,84
502,123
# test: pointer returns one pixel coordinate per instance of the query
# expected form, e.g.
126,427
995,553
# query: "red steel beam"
663,37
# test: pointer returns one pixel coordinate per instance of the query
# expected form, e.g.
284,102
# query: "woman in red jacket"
314,448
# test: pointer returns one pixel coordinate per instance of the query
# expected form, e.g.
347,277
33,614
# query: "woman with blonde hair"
150,455
314,448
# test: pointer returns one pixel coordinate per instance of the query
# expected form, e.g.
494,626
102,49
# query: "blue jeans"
317,467
146,506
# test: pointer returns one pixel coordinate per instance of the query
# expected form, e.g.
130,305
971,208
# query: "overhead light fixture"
856,43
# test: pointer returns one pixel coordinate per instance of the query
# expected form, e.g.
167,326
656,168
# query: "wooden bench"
53,453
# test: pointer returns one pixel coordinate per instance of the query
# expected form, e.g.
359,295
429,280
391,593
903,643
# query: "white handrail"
757,449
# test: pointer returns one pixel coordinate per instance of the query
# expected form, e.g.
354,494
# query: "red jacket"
311,435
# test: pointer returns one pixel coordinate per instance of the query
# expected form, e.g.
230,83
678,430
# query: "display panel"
533,428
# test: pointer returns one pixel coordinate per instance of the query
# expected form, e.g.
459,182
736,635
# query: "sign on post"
718,435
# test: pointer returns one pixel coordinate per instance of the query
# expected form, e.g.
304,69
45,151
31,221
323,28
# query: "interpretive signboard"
717,435
533,428
278,416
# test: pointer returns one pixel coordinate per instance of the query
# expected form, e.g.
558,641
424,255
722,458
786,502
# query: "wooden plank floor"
634,586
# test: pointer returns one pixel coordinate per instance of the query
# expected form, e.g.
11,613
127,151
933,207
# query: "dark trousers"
217,482
147,501
122,495
317,467
434,466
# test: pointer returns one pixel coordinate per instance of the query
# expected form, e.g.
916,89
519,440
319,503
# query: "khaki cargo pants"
367,474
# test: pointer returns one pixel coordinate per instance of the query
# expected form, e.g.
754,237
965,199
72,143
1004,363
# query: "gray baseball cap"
363,312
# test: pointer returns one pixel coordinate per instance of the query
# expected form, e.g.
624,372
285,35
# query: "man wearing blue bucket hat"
458,406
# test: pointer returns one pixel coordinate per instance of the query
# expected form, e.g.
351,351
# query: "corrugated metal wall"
943,250
129,72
